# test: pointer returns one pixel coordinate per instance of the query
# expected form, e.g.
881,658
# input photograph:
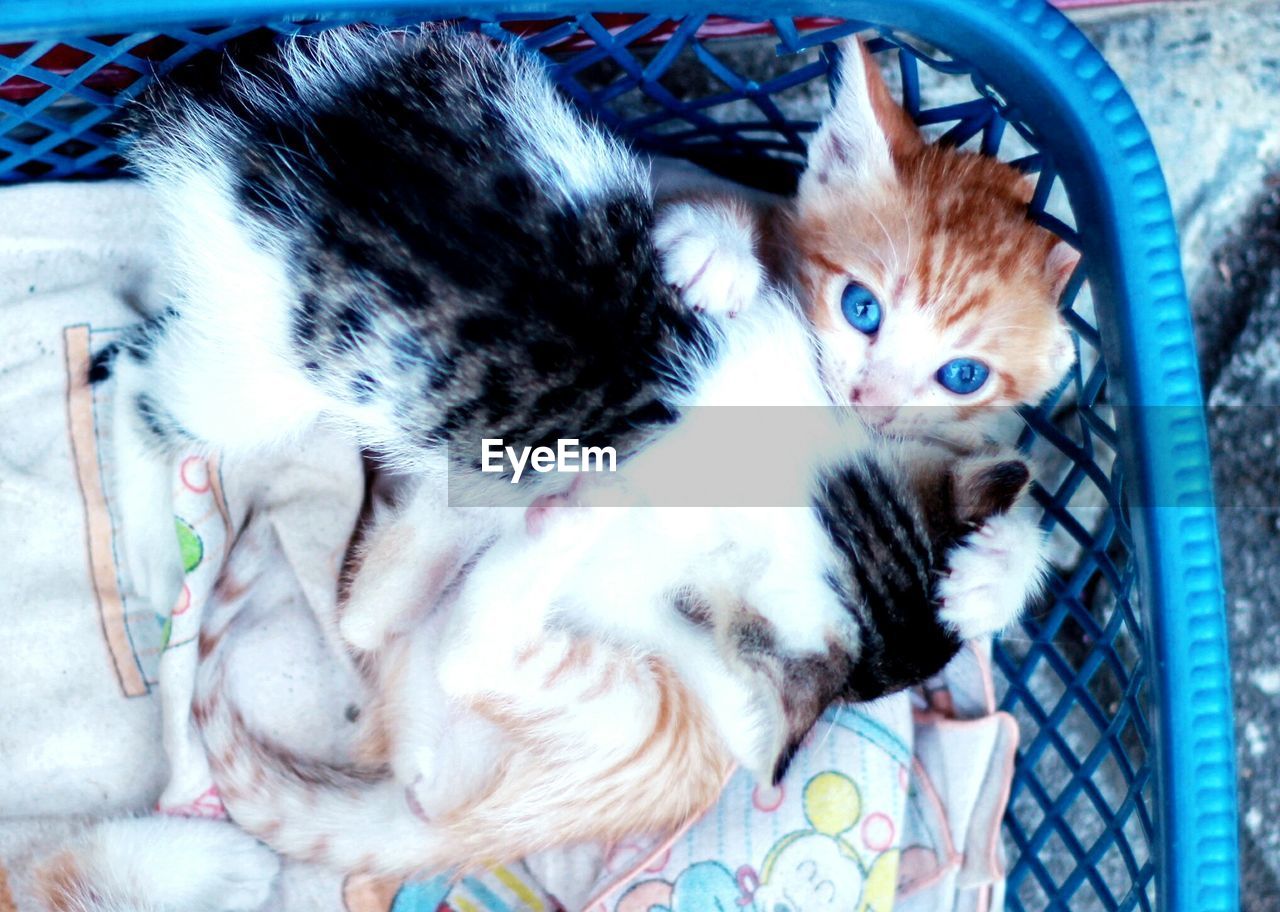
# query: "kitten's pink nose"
875,407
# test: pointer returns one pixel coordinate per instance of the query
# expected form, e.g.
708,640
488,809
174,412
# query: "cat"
932,293
486,269
564,737
571,738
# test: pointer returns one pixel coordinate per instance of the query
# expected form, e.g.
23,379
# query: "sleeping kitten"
569,738
559,737
932,293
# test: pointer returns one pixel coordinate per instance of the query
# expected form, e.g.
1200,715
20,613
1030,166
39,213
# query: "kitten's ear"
1059,266
865,127
1063,353
989,487
809,687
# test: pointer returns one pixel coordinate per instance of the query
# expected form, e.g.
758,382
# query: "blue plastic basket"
1124,792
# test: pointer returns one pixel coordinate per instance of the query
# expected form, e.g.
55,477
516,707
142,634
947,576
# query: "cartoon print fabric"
896,805
825,840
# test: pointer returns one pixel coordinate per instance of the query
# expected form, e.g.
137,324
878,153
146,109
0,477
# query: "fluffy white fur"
992,574
709,252
159,864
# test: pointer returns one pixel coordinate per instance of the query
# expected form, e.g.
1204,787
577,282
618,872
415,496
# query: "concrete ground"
1207,79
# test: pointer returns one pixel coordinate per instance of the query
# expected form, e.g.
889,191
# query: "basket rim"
1062,88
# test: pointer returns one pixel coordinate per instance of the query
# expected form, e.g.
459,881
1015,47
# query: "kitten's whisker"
1014,638
830,728
872,253
893,248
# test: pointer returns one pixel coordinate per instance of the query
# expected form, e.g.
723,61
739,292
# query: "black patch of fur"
433,274
892,541
159,423
693,608
998,487
101,364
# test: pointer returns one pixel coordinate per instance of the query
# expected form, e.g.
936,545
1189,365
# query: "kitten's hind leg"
160,864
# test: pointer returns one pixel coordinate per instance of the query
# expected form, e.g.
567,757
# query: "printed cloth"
896,802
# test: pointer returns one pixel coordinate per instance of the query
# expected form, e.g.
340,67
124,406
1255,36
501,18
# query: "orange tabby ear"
1059,266
865,128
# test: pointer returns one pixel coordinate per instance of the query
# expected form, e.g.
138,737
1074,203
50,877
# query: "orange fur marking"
60,885
674,774
6,895
365,894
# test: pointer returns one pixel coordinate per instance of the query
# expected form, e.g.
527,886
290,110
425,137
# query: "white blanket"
81,647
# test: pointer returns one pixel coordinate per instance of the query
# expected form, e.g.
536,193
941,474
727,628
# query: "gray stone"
1207,80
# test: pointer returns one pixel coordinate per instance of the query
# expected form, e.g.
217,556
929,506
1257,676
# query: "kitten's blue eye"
963,375
861,308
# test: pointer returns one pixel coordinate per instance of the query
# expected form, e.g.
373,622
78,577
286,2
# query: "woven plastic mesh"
1080,829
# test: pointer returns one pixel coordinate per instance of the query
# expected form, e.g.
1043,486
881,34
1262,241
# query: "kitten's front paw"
362,630
245,880
993,573
186,863
229,870
709,254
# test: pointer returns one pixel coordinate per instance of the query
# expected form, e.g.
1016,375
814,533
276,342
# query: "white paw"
993,573
362,630
244,877
188,863
709,255
228,870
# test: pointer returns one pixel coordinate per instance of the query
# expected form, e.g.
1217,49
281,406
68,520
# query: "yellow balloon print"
831,803
881,884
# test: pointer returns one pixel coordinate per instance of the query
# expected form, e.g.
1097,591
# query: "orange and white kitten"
578,740
933,295
497,731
